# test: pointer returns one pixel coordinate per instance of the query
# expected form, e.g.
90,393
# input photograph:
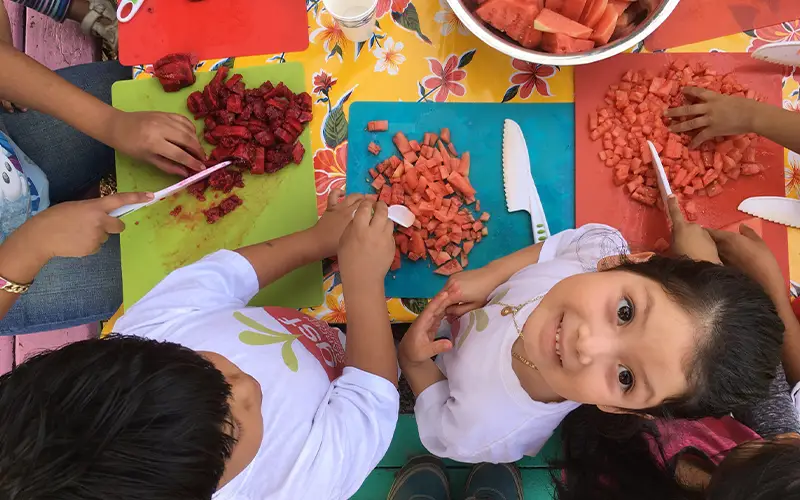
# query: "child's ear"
623,411
614,261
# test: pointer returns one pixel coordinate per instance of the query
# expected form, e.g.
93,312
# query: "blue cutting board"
477,128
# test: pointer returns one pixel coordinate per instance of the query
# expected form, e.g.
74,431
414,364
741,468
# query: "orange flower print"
445,78
792,175
334,301
788,31
385,6
329,173
330,34
532,77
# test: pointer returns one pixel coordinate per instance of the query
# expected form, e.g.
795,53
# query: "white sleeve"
447,429
222,280
586,244
354,430
796,396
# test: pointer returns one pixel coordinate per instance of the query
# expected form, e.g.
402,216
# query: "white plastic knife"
663,181
160,195
786,53
777,209
521,193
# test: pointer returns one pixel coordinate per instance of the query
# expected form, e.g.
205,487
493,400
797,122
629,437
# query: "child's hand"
10,107
688,238
328,230
419,344
166,140
472,288
76,228
366,249
748,253
716,115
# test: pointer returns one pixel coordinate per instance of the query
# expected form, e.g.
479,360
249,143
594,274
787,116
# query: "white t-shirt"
796,396
481,413
326,426
23,187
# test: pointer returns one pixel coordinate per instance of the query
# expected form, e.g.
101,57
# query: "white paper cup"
356,17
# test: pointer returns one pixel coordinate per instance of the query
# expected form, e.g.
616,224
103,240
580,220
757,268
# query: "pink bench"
56,46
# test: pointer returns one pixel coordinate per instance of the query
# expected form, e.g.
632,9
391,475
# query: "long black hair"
739,341
124,418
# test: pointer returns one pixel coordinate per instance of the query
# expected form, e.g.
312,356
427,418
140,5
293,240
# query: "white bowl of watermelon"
562,32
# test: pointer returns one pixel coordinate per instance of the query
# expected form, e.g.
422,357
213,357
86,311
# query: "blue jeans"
69,292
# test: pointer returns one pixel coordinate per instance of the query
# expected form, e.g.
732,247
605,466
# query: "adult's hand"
747,252
166,140
690,239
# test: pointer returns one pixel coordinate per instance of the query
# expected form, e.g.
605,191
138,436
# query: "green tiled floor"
406,444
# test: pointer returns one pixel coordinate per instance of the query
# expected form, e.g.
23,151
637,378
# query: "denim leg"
69,292
72,161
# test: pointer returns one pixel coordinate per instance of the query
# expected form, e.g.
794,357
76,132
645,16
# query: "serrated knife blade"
776,209
520,189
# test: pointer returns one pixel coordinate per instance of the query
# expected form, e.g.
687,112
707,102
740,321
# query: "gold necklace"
513,310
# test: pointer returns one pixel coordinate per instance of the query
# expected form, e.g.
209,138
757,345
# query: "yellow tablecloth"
422,52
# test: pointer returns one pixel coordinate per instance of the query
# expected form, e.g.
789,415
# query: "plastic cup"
356,17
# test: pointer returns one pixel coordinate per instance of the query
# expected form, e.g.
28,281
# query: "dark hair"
739,346
122,418
609,455
760,470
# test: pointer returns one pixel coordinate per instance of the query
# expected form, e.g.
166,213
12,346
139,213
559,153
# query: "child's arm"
365,254
5,25
72,229
718,115
168,141
474,287
748,252
419,346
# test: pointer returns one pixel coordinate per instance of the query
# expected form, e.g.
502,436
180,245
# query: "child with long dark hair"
541,332
696,460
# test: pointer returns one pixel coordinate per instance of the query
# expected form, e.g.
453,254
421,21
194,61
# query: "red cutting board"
212,29
597,199
698,20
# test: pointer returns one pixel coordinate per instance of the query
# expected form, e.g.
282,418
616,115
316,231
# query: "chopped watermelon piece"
605,26
593,12
559,43
552,22
449,268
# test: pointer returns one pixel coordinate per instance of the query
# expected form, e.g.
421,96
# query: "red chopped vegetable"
634,114
226,206
374,148
378,126
435,186
175,71
176,211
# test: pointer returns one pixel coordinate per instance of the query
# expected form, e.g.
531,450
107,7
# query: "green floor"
406,444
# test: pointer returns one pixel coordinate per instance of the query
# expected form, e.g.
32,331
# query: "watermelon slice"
449,268
553,22
554,5
755,224
573,9
514,17
605,26
559,43
593,12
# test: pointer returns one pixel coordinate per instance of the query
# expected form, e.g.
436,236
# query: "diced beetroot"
298,152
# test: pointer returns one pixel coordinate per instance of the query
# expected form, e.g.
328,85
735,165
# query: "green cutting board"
155,243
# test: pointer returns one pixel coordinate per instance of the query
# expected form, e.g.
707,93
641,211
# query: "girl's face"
613,339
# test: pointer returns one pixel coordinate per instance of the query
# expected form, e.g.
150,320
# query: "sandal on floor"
101,22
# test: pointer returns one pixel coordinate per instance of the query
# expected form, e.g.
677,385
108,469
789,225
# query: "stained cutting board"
599,200
477,128
213,29
698,20
156,243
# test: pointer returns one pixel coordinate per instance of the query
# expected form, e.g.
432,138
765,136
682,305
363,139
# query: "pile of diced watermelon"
564,26
634,114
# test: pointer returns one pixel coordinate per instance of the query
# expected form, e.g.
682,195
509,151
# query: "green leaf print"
482,320
462,337
253,338
500,296
289,357
335,129
255,325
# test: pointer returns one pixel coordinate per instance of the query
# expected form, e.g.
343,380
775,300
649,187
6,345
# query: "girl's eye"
625,377
624,311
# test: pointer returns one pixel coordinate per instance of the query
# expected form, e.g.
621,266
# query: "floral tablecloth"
421,52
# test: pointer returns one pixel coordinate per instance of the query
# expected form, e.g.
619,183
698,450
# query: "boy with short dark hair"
214,397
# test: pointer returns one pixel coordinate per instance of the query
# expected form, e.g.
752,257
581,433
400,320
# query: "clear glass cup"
356,17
